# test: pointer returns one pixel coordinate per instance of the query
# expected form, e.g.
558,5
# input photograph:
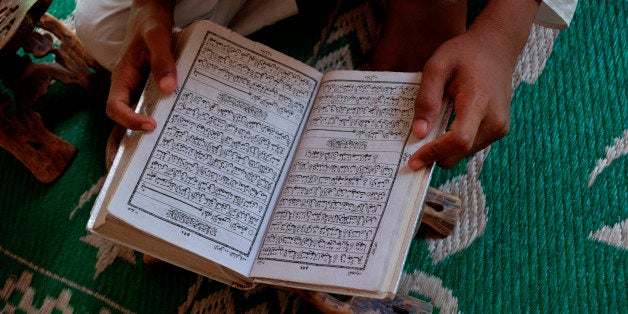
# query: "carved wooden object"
354,305
440,214
22,132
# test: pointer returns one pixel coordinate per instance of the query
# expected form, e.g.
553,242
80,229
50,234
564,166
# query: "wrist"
504,26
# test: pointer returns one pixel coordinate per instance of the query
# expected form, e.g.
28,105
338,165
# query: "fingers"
473,130
125,78
450,147
494,125
158,42
436,75
150,43
483,139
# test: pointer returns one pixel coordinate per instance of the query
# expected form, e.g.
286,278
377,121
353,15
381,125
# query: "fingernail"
148,126
420,126
415,164
168,83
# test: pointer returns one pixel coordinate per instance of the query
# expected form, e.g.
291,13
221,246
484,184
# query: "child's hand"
475,71
478,81
148,41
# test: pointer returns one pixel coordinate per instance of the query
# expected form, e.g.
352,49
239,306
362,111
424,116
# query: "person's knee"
82,21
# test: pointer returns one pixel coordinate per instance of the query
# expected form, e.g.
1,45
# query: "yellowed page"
205,179
350,202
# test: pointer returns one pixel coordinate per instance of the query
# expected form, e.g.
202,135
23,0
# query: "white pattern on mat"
473,212
619,148
431,287
617,235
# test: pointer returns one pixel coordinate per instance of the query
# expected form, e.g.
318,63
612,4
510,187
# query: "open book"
262,169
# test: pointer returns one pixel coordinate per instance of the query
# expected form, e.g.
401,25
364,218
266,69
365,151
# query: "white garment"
555,13
101,24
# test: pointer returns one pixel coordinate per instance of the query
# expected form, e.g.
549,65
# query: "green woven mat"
544,226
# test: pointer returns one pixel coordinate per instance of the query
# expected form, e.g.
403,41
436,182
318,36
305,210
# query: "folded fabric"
555,13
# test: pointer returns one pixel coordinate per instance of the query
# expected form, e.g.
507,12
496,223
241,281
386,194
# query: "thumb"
159,43
429,101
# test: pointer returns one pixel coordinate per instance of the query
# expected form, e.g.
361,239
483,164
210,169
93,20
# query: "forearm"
505,25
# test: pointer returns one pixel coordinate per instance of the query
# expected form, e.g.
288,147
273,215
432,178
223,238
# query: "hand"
478,81
148,41
475,71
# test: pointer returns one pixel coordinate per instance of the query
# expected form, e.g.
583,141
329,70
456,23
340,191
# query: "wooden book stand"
22,132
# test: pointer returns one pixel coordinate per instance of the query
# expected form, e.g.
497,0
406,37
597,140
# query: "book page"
338,219
205,179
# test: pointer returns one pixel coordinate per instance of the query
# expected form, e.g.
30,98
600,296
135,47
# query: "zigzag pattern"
350,37
23,287
338,60
359,21
262,299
